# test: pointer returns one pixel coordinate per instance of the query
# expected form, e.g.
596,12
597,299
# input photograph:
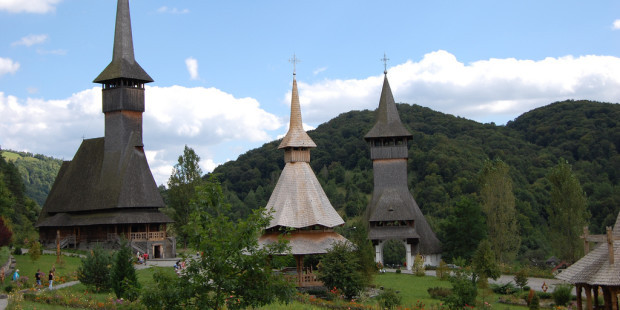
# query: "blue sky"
222,76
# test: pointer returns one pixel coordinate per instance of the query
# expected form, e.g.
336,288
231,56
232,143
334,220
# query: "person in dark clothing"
37,276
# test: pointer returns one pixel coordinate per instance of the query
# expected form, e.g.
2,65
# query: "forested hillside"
38,172
446,156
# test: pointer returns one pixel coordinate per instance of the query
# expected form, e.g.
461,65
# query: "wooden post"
588,297
614,298
58,245
578,293
607,297
610,245
595,296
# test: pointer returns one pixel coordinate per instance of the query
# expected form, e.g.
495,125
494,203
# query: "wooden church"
392,212
302,213
107,191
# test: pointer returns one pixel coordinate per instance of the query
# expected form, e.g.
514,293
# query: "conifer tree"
123,275
95,269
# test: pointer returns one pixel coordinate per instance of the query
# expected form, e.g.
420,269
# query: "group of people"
38,276
142,257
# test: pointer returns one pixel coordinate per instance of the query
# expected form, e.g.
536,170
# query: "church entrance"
157,251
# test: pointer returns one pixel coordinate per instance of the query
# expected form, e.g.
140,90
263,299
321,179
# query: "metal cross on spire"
385,60
294,60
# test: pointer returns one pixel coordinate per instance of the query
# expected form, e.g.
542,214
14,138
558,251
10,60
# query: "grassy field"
65,271
412,289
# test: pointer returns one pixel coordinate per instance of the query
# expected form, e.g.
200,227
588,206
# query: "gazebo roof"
298,200
595,267
305,242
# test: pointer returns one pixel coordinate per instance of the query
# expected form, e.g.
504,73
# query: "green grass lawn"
65,271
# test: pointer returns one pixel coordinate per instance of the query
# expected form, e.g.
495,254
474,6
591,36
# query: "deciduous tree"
568,212
186,175
498,202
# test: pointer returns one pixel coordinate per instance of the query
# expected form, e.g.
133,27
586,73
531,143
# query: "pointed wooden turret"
123,88
393,213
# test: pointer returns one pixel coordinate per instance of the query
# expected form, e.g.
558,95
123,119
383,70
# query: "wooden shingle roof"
305,242
595,267
298,200
296,135
388,123
97,180
123,64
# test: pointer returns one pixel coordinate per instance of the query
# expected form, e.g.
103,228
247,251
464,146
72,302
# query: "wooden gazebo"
302,213
598,271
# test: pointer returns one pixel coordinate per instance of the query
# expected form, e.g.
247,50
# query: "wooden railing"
307,279
153,235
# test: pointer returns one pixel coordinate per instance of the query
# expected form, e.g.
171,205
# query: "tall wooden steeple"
392,212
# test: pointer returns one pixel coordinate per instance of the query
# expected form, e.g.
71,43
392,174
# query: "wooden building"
392,212
598,271
107,191
301,212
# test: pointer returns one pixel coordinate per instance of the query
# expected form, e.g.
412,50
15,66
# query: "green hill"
445,157
38,172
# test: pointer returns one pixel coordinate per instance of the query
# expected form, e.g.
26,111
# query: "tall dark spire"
123,63
388,121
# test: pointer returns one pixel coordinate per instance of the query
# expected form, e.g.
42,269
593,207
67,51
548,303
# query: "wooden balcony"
148,236
307,280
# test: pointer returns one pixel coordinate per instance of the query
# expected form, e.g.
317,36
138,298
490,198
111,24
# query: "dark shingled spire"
123,63
388,122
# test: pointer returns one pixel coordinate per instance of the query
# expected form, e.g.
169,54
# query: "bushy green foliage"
464,290
340,268
185,176
95,269
521,278
418,266
389,299
167,293
466,215
123,275
34,251
503,289
484,263
562,294
232,271
443,272
534,304
356,231
439,292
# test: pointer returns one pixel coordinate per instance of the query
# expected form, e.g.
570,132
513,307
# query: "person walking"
16,275
37,276
51,278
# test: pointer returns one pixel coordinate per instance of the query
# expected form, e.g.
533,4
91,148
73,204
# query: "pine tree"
95,269
123,275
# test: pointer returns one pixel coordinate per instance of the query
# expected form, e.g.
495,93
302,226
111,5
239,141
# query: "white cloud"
319,70
28,6
31,40
203,118
616,24
7,65
165,9
494,89
192,67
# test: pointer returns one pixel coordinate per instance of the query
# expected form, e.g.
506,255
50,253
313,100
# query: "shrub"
340,268
464,291
389,299
123,275
443,272
8,288
95,269
503,289
534,303
418,266
17,251
439,292
562,294
34,251
521,278
398,270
